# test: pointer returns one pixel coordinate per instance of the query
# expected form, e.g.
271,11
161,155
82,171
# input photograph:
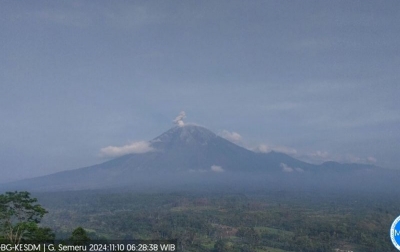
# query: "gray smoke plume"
179,119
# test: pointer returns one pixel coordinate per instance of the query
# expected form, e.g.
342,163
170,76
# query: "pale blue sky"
317,79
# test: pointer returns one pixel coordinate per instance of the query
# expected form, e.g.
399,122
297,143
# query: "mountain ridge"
188,150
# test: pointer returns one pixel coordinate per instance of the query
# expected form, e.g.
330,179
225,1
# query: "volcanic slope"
183,152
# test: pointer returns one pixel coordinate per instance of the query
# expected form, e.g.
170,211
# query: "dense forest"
204,221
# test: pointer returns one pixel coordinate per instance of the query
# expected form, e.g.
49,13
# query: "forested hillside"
267,221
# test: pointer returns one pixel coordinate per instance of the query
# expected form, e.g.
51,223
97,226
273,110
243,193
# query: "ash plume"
179,119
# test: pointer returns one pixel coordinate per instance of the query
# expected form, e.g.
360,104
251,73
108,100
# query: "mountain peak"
189,134
189,149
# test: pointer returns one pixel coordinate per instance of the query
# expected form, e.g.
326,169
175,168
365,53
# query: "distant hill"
192,154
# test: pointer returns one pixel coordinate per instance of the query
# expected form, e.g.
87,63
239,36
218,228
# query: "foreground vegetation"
20,216
263,221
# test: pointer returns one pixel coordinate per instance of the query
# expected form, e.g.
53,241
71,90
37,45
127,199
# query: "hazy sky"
316,79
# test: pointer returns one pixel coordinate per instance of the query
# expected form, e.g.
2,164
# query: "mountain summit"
187,135
190,148
184,151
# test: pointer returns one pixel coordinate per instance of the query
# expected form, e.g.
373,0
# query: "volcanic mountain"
196,149
185,153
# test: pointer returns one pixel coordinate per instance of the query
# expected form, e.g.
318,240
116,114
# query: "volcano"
181,154
192,148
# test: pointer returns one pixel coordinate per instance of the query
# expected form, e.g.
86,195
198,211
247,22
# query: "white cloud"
216,168
179,119
362,160
299,169
136,147
321,156
286,168
318,157
264,148
315,157
233,137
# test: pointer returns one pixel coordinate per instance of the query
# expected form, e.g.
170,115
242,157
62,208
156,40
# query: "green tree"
36,234
79,237
220,246
19,216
